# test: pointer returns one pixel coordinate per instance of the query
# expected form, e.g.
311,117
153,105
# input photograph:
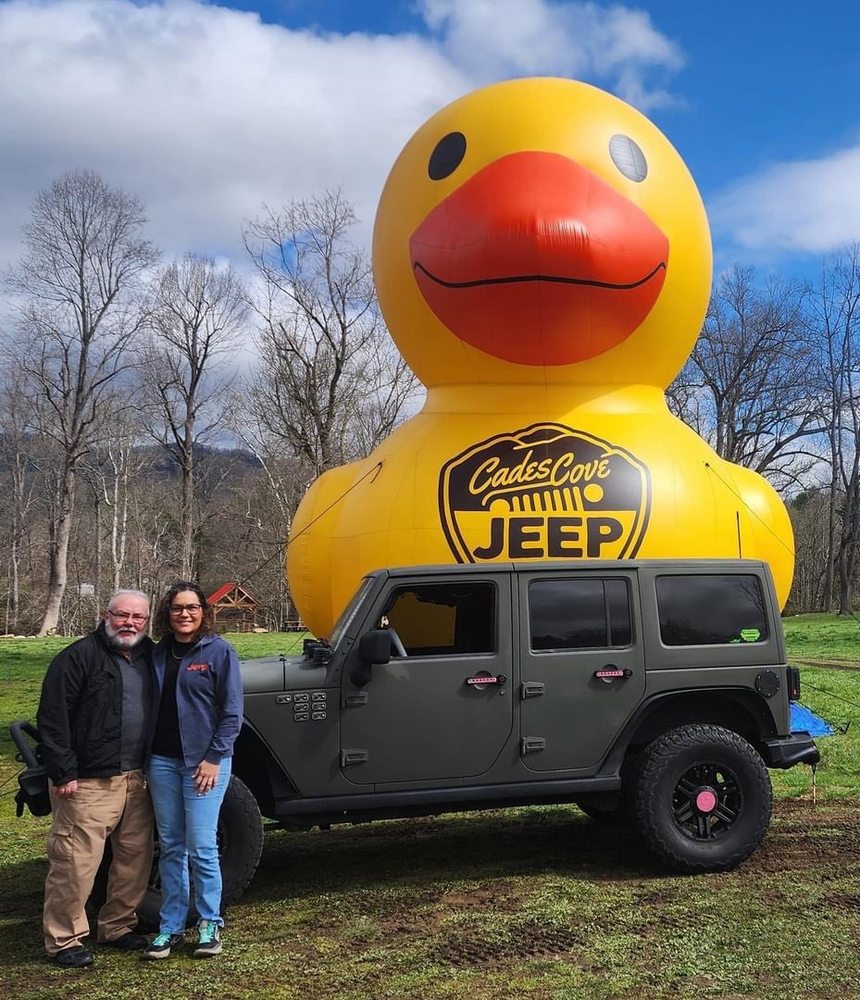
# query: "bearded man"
94,719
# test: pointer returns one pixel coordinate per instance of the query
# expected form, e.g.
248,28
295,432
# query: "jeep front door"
444,710
583,671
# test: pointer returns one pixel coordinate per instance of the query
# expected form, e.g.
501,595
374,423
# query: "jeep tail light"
793,684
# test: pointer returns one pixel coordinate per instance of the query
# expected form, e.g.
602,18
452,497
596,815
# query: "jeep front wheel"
702,798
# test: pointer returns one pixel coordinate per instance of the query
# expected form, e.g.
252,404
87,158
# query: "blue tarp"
804,720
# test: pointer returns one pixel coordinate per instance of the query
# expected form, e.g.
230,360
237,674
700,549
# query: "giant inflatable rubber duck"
543,261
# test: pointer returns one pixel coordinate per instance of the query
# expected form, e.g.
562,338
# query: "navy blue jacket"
208,697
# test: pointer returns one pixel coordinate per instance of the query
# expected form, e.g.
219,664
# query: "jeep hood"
281,673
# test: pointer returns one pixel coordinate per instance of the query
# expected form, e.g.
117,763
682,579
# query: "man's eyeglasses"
122,616
177,609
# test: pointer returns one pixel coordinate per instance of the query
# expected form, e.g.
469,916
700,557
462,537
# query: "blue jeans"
187,827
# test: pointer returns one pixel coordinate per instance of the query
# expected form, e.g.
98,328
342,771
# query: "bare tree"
812,546
268,507
18,455
76,282
746,387
198,317
114,471
330,384
836,322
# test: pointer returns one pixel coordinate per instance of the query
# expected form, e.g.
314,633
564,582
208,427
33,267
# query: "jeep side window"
698,610
444,619
579,614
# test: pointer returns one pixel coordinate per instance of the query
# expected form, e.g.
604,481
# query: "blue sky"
209,110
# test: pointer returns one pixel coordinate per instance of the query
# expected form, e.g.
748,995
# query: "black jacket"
80,710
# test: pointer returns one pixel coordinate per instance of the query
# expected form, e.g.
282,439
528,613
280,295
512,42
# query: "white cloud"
206,112
811,206
614,46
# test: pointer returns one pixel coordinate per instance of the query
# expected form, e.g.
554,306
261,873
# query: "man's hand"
205,777
68,790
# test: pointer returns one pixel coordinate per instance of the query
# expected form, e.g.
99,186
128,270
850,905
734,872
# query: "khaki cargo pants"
117,809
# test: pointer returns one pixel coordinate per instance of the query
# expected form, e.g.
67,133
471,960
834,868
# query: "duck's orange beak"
538,261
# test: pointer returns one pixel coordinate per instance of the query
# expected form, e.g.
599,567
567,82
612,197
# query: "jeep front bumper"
786,751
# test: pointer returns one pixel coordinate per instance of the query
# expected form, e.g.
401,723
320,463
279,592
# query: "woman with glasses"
199,717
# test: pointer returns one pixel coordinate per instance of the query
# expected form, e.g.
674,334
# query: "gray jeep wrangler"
654,692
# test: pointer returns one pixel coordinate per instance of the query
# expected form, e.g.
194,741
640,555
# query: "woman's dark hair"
161,622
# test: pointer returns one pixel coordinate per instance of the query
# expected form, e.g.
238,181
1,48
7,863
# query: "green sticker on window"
750,634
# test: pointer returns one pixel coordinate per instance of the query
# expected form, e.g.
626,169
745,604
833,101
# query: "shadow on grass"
21,887
417,852
20,883
412,854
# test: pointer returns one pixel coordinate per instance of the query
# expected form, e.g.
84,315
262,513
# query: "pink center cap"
706,801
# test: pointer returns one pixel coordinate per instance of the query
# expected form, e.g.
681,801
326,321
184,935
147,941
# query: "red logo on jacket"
197,666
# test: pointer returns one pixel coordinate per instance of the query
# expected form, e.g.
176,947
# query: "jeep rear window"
579,614
700,610
444,619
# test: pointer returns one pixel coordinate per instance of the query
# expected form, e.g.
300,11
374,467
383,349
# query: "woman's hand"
205,777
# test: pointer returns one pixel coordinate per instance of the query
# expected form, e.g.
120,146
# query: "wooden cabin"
235,608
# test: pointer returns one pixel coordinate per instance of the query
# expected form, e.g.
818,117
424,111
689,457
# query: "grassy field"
539,902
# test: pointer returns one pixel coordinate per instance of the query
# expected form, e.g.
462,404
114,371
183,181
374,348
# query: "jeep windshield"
349,613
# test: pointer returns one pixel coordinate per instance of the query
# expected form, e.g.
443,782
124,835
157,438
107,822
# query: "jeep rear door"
582,665
444,711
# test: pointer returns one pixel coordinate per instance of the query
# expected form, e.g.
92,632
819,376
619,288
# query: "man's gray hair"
127,593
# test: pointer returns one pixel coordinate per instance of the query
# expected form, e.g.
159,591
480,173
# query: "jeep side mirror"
373,647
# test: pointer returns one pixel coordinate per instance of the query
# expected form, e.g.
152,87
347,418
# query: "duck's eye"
447,156
628,157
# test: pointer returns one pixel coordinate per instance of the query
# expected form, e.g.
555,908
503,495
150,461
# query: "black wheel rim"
707,802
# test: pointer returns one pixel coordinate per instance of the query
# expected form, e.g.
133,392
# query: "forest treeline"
162,418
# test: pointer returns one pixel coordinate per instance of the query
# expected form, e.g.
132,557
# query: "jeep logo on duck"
544,492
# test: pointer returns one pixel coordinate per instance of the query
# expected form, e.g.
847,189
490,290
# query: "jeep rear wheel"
702,798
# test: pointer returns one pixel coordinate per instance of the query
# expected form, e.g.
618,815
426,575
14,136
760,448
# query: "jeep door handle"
480,680
612,673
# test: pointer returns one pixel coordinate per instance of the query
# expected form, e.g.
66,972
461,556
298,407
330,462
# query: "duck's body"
543,261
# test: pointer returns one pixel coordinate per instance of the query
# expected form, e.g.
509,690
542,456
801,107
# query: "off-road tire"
240,843
699,764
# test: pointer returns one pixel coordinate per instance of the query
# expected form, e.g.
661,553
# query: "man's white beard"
122,640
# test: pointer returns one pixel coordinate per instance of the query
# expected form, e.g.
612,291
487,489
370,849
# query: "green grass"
539,902
823,637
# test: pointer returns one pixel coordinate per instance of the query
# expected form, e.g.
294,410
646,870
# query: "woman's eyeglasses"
177,609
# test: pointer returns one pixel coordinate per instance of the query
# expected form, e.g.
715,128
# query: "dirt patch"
849,902
827,664
803,836
425,917
467,947
499,897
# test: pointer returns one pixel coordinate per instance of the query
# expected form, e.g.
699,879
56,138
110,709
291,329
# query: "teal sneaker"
159,947
208,939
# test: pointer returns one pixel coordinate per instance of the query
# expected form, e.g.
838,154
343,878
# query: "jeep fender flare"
258,767
739,709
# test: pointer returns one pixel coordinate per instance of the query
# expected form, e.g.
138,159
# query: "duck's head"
542,231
